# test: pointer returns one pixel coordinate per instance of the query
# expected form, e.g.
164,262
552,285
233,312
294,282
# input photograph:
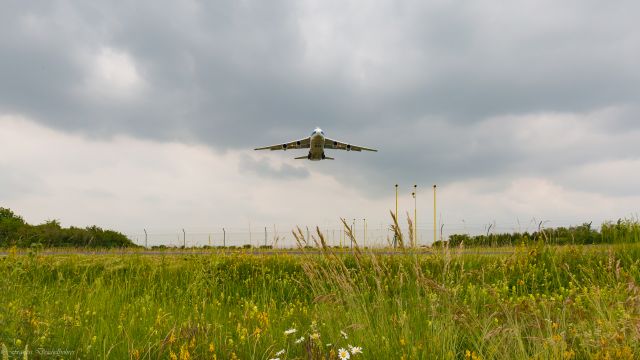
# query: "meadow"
519,302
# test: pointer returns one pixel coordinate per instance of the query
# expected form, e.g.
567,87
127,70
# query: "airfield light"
364,224
415,214
396,201
434,213
353,227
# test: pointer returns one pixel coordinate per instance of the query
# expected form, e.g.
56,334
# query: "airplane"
316,143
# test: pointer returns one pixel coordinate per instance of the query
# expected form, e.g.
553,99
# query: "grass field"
536,302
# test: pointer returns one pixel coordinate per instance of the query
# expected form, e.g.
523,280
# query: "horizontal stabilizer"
328,158
302,158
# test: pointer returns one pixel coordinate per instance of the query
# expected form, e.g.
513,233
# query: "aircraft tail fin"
302,158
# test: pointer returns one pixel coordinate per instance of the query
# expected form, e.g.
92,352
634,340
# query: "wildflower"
274,359
300,340
343,354
315,336
184,353
344,334
281,352
328,345
355,350
290,331
212,348
172,338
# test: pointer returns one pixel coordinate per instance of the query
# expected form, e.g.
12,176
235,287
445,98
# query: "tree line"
14,231
621,231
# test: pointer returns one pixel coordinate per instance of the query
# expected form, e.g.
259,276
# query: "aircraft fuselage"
316,146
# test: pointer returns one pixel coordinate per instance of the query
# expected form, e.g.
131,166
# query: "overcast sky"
144,114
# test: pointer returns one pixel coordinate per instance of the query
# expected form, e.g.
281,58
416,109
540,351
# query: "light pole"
434,213
353,226
415,214
396,201
145,239
364,225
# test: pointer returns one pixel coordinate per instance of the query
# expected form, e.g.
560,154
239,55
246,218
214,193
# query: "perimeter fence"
375,236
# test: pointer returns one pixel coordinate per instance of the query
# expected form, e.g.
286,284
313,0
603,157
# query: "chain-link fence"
379,235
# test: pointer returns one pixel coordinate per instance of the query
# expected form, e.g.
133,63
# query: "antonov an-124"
316,143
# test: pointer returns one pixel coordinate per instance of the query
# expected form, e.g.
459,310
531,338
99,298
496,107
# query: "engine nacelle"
284,146
298,143
335,144
348,147
323,156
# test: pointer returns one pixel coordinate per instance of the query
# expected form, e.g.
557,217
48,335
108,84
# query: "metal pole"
434,214
145,239
184,239
415,214
396,201
265,236
395,238
209,240
353,225
364,241
224,238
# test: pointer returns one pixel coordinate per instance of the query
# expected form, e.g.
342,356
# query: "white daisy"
290,331
343,354
281,352
355,350
344,334
300,340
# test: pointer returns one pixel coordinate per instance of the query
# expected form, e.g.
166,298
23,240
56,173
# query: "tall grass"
538,302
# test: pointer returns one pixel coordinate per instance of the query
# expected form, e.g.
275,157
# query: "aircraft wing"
297,144
338,145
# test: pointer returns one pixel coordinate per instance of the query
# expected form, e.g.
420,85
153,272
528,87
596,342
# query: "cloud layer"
485,97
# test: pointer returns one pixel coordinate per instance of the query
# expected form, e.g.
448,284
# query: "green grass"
537,302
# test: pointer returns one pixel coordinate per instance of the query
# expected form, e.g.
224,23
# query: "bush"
14,231
622,231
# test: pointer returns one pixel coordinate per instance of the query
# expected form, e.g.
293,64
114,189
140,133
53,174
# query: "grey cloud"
263,167
17,183
237,74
